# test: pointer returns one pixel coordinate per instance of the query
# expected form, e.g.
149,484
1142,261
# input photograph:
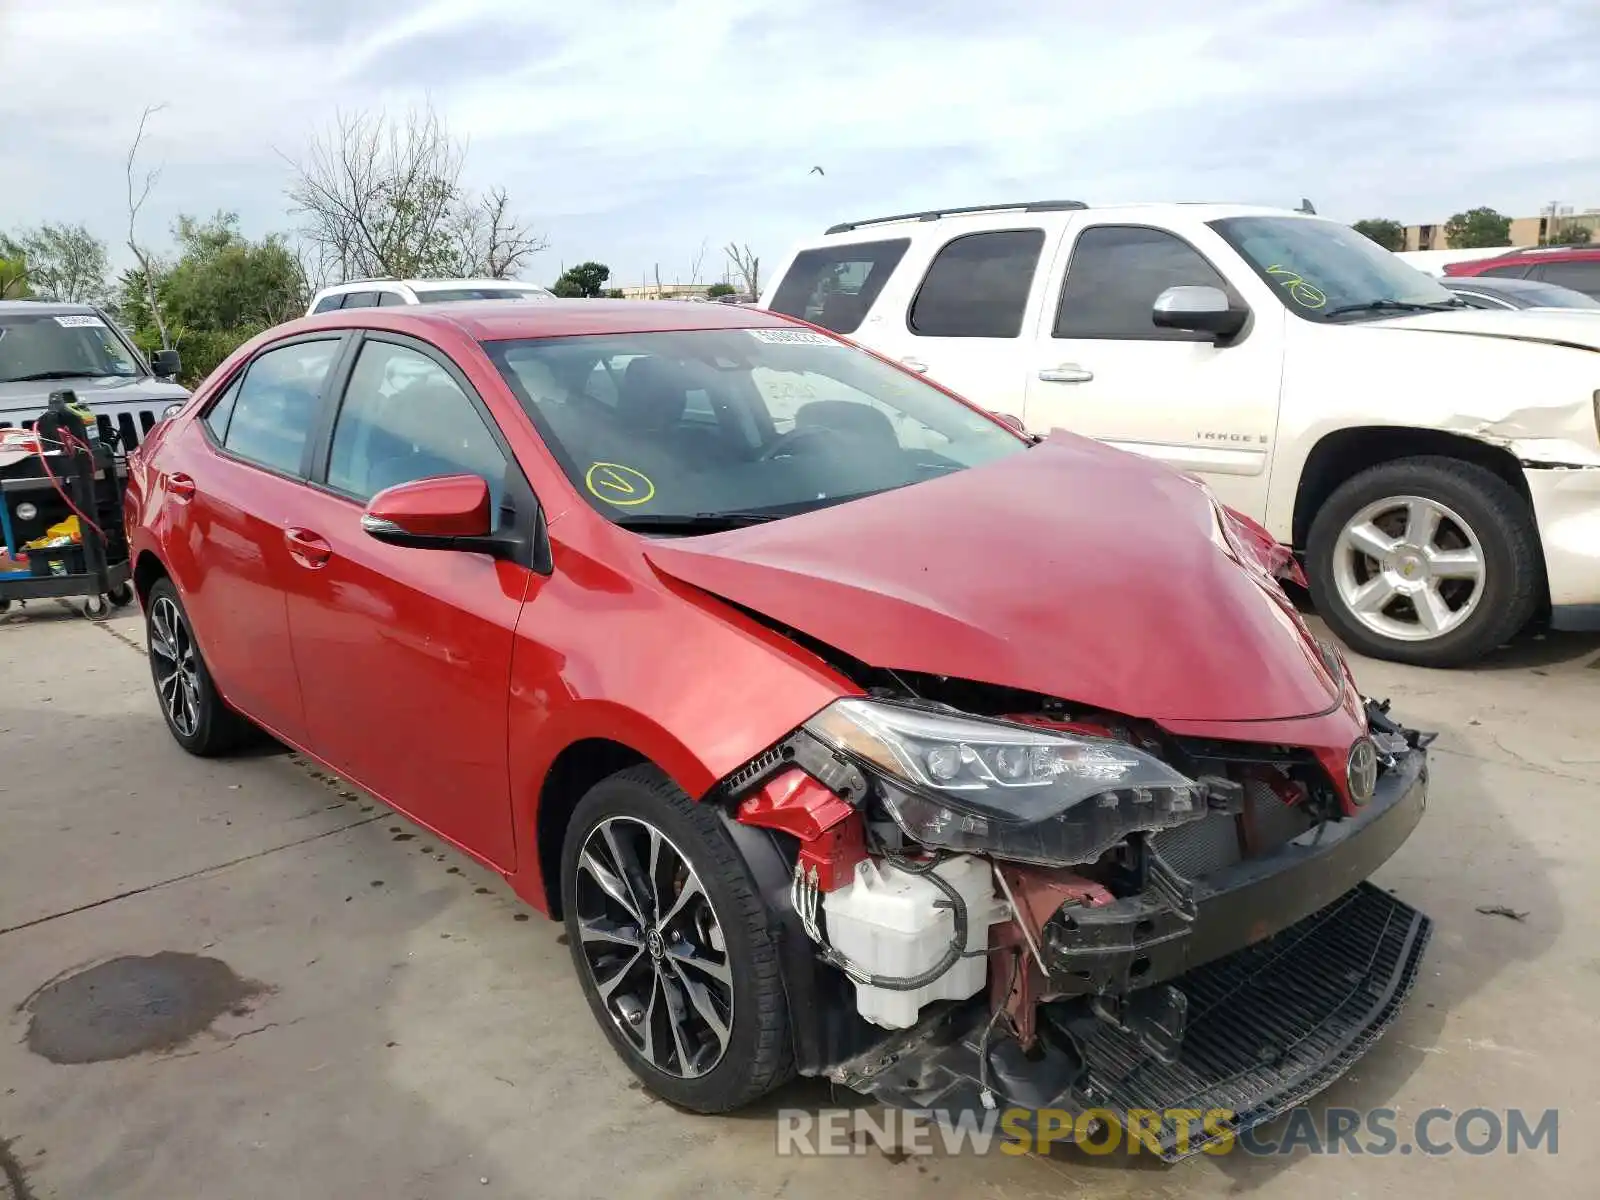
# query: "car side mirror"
1199,309
166,364
1012,420
447,512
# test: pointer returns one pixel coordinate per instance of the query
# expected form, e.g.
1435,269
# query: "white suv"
381,293
1438,467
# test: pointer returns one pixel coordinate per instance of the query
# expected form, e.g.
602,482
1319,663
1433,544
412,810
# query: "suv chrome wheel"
1409,568
654,947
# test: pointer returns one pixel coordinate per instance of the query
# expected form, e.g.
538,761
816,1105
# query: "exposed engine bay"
1026,903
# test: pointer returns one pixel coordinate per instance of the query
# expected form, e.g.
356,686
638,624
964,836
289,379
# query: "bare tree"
492,242
146,260
697,262
384,197
747,266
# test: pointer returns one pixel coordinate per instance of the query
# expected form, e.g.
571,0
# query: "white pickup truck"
1437,467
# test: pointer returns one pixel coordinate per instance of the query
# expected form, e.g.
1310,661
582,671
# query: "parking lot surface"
340,1006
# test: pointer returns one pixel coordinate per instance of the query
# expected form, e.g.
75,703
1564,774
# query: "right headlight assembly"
957,782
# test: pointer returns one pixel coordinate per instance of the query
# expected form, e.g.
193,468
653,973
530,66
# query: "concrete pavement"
409,1031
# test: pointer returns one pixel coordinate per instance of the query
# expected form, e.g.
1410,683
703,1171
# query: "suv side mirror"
166,364
1199,309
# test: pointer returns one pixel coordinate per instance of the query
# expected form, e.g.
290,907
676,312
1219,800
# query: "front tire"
195,714
673,944
1430,561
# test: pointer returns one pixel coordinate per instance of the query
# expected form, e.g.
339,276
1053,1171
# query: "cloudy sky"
634,131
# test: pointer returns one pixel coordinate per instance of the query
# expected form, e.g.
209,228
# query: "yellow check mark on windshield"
617,484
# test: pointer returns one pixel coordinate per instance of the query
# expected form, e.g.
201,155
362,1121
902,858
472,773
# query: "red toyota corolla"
850,731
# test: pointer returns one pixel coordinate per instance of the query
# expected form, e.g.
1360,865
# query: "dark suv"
1575,267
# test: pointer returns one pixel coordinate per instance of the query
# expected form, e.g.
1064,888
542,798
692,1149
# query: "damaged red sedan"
851,732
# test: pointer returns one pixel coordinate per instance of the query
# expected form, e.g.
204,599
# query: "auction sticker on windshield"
790,337
617,484
80,321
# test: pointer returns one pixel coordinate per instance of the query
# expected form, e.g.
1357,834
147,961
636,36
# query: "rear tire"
679,966
1431,561
196,715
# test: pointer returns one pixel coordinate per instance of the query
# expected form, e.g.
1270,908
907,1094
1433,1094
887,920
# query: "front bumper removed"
1268,1028
1268,980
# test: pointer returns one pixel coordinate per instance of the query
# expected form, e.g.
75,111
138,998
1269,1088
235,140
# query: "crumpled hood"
29,398
1072,570
1575,327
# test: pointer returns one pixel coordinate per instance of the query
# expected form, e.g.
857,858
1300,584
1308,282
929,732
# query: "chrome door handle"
914,364
1066,373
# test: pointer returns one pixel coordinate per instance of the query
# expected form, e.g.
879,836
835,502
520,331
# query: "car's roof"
1538,254
45,307
1496,283
880,227
360,285
496,321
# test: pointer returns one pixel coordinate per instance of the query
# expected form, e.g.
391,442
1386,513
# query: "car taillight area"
1005,892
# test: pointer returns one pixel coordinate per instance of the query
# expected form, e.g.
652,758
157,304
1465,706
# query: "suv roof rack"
933,214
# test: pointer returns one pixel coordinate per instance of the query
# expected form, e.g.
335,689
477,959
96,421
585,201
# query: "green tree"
1571,234
616,294
1477,227
66,262
585,280
717,290
1391,235
13,271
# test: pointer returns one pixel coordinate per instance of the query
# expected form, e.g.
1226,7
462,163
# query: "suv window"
329,303
835,286
1508,271
360,300
390,299
1114,277
1578,275
404,418
275,406
977,285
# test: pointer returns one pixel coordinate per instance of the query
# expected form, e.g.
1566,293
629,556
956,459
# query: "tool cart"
71,482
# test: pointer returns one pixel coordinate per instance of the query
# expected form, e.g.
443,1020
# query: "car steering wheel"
786,442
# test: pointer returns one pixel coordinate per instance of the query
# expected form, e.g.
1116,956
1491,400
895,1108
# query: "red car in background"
850,731
1575,267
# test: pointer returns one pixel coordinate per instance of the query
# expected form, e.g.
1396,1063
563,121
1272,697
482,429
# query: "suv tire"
1431,561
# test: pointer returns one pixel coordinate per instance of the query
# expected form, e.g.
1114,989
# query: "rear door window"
276,405
978,285
1578,275
390,299
329,303
1508,271
1114,277
361,300
835,286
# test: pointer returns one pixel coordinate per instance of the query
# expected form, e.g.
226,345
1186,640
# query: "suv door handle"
1066,373
307,548
180,487
914,364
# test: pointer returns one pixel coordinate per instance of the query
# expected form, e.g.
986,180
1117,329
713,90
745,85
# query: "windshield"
719,424
46,346
1326,271
443,295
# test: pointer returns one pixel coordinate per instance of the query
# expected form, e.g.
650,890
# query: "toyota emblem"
1361,771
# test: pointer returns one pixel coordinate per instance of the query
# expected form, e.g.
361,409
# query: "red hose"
68,441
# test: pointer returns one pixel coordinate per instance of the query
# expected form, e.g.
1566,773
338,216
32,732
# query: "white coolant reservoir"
886,921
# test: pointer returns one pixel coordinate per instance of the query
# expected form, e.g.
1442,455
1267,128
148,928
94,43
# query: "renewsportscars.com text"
1374,1131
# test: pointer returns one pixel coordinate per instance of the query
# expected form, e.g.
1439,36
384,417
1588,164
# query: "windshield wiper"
1394,306
705,522
41,375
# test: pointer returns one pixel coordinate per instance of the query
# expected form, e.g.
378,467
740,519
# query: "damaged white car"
1436,467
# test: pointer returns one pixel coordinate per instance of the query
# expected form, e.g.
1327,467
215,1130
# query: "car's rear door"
233,479
405,654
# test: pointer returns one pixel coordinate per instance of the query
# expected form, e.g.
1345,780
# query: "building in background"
1525,231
